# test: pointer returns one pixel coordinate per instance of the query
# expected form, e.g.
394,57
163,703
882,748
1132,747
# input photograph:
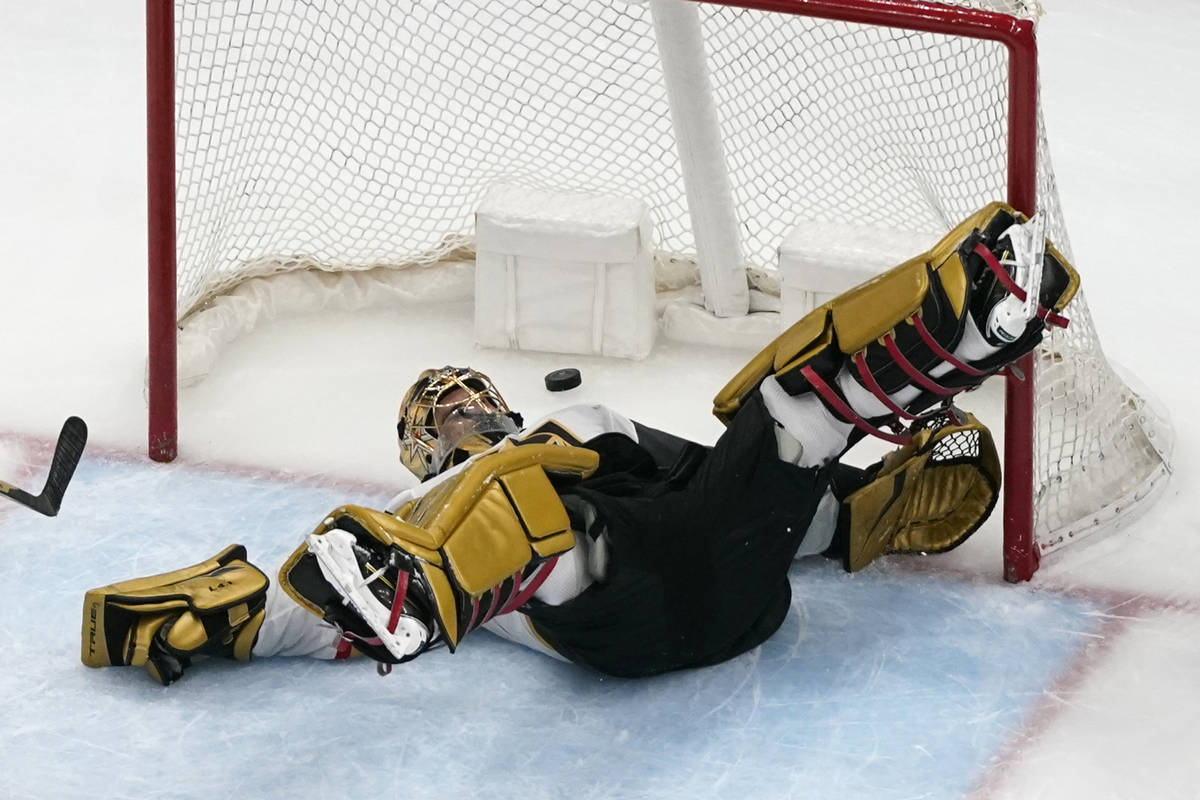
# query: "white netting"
348,135
340,135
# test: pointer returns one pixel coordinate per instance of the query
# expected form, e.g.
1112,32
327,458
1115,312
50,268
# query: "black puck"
562,379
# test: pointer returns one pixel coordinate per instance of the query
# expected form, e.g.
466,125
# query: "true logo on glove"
92,630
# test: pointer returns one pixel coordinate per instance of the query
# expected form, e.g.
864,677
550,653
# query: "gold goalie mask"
449,415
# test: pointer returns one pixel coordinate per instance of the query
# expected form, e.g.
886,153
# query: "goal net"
353,135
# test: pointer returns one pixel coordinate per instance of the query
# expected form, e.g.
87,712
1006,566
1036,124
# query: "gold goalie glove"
926,497
476,545
161,622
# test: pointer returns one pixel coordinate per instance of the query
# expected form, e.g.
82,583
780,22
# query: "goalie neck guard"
448,415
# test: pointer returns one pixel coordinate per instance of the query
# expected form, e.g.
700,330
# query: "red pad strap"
474,613
517,596
919,378
942,352
398,600
1057,320
512,594
860,363
496,601
843,408
1001,274
344,648
536,583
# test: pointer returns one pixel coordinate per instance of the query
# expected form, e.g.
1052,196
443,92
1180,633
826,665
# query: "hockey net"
338,136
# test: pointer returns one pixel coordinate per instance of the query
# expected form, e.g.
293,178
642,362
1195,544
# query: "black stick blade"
67,452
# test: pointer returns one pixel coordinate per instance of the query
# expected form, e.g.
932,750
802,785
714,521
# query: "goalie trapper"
928,496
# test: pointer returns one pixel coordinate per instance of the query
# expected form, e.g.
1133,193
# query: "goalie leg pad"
894,331
477,545
215,607
926,497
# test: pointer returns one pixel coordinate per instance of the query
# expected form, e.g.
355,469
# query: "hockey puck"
562,379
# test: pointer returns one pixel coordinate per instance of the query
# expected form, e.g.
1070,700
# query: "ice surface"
850,698
921,678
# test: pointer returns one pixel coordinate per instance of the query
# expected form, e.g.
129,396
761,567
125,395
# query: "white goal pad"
564,273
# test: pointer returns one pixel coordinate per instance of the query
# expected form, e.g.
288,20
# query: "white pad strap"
334,551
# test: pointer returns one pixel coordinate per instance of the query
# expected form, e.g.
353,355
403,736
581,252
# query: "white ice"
926,678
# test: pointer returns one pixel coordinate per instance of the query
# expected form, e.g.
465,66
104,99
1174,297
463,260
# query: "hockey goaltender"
593,538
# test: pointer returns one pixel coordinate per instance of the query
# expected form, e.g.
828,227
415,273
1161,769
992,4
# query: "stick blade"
71,441
67,452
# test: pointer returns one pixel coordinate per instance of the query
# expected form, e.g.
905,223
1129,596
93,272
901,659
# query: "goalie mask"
449,415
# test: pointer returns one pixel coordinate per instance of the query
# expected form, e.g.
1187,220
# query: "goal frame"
1021,554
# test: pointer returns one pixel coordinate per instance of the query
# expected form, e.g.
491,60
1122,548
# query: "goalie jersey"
683,550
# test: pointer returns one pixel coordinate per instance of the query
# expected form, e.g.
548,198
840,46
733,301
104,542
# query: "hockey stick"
67,452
